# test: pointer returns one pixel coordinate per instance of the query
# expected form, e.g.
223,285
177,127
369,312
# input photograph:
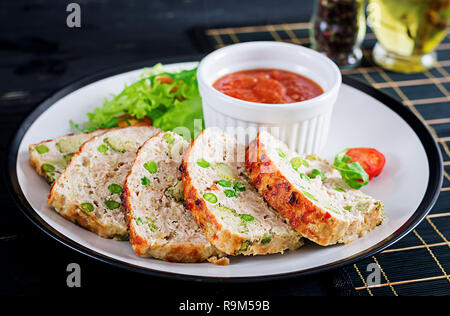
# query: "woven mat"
418,264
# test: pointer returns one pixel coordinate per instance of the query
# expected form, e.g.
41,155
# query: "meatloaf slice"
159,224
233,216
310,193
50,157
89,191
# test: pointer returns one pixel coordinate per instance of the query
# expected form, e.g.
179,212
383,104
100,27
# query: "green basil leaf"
352,172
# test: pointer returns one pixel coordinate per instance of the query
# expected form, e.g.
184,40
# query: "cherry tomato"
370,159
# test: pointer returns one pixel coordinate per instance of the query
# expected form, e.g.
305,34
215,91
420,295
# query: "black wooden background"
39,54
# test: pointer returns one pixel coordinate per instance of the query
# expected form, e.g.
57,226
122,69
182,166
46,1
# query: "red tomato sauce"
272,86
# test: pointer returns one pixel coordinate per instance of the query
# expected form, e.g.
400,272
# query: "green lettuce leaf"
170,106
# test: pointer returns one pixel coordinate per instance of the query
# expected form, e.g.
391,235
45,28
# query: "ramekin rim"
275,106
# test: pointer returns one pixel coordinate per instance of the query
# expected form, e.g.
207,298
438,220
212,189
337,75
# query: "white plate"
408,185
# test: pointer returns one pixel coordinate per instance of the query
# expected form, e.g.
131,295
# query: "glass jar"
408,32
338,29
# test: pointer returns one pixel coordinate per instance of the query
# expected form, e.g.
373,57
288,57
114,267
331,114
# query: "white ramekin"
302,125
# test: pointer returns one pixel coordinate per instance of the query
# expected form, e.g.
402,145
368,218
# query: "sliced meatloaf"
233,216
89,191
50,157
310,193
159,224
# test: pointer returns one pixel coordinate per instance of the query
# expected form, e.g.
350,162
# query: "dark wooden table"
39,54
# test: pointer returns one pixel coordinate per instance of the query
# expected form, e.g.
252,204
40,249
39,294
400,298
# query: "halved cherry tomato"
370,159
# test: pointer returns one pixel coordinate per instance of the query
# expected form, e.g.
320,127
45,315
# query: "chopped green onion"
267,238
224,183
310,195
115,188
145,181
230,193
48,167
112,205
169,138
223,208
203,163
297,162
102,148
210,197
151,224
247,218
139,221
239,186
281,153
317,172
42,149
304,177
87,207
340,190
151,166
244,247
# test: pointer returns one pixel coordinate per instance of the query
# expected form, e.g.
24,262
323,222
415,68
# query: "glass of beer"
408,32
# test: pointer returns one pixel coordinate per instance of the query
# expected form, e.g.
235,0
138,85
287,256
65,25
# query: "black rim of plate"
431,148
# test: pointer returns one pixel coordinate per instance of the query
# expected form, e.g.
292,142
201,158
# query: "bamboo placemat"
419,264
